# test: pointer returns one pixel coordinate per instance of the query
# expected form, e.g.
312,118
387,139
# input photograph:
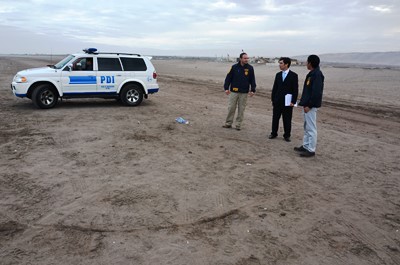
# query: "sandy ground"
93,182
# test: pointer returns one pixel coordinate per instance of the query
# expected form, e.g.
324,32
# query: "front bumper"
19,89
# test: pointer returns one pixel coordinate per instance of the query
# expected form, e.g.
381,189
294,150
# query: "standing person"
286,83
237,83
311,100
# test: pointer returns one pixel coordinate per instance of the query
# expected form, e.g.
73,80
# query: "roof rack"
118,53
94,51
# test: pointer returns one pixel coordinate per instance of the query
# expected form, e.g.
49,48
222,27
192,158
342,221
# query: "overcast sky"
204,28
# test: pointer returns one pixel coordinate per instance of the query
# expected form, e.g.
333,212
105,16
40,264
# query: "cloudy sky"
201,28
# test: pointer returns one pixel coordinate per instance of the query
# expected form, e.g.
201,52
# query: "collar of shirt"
286,72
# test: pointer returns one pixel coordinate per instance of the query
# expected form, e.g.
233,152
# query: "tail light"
154,75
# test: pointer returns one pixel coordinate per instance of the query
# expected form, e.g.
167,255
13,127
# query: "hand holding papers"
288,100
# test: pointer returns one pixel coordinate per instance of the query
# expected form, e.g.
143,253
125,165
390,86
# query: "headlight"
20,79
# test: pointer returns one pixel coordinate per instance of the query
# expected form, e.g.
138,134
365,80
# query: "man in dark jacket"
284,97
311,100
237,83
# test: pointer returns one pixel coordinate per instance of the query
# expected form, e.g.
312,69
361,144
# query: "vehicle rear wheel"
44,96
131,95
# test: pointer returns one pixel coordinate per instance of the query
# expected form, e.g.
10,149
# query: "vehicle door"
79,77
109,75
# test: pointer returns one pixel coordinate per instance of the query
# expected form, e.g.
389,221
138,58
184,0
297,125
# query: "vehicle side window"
83,64
109,64
133,64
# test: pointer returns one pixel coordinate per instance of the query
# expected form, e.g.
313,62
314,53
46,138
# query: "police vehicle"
122,76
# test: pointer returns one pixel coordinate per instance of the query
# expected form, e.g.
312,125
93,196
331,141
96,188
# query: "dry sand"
93,182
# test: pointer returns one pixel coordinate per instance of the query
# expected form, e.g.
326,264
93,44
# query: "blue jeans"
310,130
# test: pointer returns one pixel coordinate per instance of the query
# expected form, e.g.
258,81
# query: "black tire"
131,95
44,96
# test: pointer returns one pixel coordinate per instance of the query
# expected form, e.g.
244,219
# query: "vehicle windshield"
63,62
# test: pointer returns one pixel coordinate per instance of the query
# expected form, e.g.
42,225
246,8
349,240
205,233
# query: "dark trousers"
286,113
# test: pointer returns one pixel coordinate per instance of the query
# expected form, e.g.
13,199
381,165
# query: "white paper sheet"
288,99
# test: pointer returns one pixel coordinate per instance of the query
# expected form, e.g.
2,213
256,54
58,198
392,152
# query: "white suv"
125,77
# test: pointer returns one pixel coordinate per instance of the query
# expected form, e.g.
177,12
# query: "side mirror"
70,67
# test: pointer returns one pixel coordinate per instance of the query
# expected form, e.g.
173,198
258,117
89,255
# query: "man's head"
312,62
244,58
89,64
284,63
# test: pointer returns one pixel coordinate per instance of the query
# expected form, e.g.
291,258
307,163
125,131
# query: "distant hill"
369,58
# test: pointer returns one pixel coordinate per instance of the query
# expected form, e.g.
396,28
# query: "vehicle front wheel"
131,95
44,96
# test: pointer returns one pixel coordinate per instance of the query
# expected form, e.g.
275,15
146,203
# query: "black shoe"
287,139
227,126
238,128
307,154
300,149
271,136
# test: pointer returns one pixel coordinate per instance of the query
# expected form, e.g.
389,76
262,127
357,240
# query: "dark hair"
241,55
313,60
286,60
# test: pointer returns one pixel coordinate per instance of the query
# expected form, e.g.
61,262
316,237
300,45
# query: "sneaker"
300,149
307,154
227,126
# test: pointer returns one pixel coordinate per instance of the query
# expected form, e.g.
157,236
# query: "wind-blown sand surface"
93,182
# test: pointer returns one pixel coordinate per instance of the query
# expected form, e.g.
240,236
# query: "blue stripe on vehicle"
82,80
20,95
152,90
89,93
